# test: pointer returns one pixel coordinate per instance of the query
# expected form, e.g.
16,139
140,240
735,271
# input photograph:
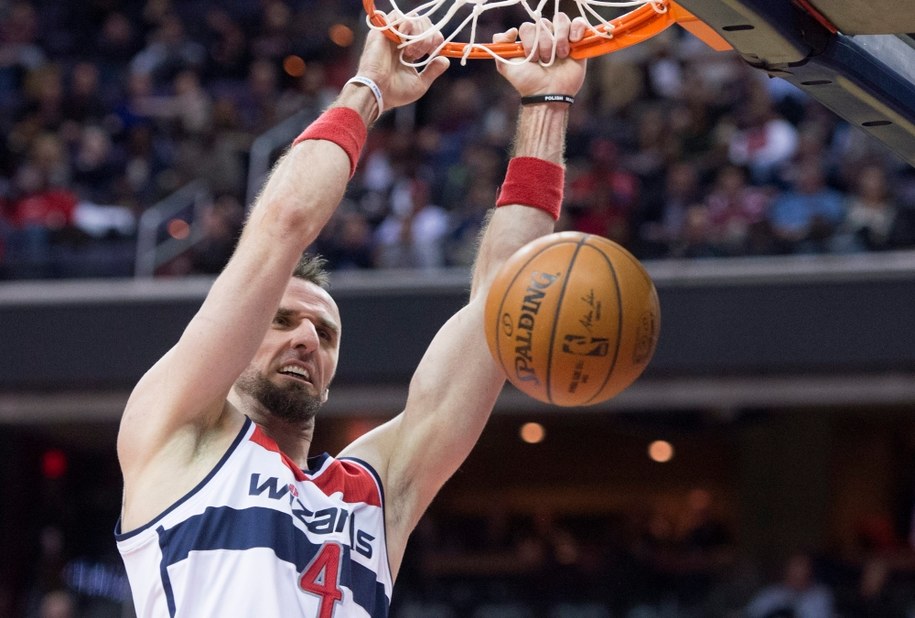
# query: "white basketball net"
442,12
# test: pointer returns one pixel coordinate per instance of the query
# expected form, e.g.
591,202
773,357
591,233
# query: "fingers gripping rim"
649,19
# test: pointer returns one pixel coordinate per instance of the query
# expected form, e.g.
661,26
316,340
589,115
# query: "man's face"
291,371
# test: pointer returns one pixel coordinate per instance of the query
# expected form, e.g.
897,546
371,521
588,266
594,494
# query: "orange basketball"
573,319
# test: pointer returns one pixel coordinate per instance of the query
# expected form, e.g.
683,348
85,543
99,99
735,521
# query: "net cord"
395,21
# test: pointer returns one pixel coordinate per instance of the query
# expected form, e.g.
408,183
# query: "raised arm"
455,387
180,403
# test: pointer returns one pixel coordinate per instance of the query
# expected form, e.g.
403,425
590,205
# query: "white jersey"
261,537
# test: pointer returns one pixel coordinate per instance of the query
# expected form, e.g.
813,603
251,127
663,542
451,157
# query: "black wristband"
548,98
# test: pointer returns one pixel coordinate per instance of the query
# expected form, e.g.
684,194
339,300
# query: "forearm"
540,134
308,182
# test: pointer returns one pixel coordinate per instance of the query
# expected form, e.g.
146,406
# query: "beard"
290,402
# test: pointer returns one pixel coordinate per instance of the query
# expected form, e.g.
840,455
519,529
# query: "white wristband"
365,81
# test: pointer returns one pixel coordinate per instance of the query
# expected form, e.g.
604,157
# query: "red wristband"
342,126
533,182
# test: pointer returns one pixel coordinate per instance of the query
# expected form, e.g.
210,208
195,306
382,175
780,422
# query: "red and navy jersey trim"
123,536
367,466
344,478
259,437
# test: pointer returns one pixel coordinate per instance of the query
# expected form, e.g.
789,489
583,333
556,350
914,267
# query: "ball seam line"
562,292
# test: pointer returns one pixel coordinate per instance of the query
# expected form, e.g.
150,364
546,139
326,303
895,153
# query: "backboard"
856,57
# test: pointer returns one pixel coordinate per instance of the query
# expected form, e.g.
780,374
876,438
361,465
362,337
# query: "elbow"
285,220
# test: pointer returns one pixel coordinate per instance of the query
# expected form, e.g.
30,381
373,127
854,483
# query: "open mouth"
295,372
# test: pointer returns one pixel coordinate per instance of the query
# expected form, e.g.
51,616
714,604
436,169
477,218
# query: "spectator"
116,43
652,582
43,105
479,165
309,91
222,152
455,118
706,549
83,102
874,597
703,531
655,147
411,235
467,221
6,226
797,595
168,51
804,219
737,214
49,596
42,208
257,101
96,166
272,41
187,110
148,161
694,240
228,57
873,220
20,53
131,110
603,197
348,242
57,604
764,141
221,223
663,215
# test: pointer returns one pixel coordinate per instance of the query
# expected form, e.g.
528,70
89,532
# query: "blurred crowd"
500,563
107,108
646,563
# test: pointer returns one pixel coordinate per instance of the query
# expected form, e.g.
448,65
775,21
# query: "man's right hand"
564,76
401,84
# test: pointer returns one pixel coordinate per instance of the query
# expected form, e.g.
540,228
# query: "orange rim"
629,29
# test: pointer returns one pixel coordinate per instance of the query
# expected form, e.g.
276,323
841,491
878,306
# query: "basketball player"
224,513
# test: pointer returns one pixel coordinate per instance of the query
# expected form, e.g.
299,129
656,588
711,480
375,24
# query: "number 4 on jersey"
321,577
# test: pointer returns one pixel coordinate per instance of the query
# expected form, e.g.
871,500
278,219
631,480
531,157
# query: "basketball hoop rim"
626,30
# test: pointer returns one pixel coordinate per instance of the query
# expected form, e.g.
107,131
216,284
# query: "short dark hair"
311,267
